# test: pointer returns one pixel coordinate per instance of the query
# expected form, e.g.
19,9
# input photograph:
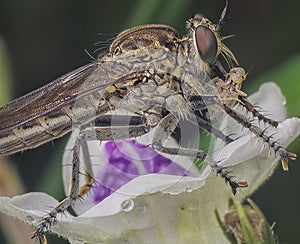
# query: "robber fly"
149,71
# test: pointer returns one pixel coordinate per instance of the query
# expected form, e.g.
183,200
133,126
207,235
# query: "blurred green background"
41,40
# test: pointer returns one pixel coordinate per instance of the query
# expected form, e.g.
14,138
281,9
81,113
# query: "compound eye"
207,44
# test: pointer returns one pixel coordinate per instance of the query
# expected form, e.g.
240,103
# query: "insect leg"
255,113
110,127
165,128
73,195
244,121
114,127
201,102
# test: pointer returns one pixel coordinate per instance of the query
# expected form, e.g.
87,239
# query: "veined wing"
43,100
61,92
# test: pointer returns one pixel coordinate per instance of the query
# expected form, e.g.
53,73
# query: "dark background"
45,39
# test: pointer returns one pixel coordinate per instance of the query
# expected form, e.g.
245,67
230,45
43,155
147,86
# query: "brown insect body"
139,59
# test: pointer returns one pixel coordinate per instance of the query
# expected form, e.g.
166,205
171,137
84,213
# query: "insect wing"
44,99
62,91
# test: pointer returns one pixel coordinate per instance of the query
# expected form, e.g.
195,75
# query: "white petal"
177,214
29,207
159,208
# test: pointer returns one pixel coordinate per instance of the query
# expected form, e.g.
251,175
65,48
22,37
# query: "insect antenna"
222,17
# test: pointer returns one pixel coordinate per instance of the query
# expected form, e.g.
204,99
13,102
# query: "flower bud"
245,223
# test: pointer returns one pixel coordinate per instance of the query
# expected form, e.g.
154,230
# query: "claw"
284,160
42,238
284,164
238,184
292,156
33,235
242,183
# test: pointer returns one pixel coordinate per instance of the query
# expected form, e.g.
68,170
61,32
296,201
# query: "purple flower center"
124,161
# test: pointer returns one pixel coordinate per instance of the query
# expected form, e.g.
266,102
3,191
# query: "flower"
116,163
161,207
121,168
246,224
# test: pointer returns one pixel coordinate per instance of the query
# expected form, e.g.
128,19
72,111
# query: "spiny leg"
255,113
74,191
88,170
244,121
165,128
110,130
200,154
202,102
